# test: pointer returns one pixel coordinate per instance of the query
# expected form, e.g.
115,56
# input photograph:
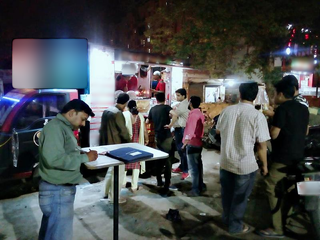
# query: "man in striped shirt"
241,127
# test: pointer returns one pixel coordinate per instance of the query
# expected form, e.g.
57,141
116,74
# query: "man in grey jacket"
113,130
59,167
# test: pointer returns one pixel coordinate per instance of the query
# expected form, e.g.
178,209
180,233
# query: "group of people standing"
242,129
127,83
119,126
187,121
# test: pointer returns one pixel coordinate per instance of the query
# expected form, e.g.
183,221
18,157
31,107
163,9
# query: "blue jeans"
195,167
56,203
178,135
235,190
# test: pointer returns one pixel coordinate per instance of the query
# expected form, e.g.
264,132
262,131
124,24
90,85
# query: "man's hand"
92,155
268,113
146,142
262,155
185,143
264,171
168,126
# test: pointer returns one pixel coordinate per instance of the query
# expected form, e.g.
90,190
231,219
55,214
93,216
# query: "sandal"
245,229
135,190
269,233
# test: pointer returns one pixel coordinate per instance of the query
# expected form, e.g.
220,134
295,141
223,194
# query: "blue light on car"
12,99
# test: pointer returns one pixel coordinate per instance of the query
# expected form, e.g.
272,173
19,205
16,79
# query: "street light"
288,51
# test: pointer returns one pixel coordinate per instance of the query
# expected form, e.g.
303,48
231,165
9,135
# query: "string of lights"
301,43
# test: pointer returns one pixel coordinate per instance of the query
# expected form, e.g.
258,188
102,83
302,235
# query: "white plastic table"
105,161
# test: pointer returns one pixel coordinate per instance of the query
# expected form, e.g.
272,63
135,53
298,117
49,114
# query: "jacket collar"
64,120
195,110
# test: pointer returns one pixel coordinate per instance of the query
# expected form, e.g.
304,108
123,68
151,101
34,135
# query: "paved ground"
143,216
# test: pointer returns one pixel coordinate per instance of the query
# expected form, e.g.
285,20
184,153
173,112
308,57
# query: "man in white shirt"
182,111
241,127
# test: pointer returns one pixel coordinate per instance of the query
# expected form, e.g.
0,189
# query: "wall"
102,86
196,89
313,101
194,81
176,80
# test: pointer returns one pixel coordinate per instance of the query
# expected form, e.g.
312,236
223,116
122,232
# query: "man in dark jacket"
113,131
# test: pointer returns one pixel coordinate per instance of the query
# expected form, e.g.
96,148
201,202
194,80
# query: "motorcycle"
214,139
300,190
299,193
309,189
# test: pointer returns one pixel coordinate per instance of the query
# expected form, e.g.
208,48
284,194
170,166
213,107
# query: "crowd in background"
244,134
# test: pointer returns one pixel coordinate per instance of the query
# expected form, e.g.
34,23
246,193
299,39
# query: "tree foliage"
225,36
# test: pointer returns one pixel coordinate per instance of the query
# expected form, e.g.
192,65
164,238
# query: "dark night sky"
58,19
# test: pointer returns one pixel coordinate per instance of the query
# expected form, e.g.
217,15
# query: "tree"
225,36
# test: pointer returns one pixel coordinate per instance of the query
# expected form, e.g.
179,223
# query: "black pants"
164,164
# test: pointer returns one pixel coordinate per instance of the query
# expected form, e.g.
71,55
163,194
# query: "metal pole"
317,82
116,204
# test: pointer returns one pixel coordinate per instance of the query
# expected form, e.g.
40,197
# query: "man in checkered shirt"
241,127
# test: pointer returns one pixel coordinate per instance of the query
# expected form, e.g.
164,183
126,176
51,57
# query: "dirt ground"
143,215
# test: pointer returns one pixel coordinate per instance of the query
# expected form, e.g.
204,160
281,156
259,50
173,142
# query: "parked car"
23,113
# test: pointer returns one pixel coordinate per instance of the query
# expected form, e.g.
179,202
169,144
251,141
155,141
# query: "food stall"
134,74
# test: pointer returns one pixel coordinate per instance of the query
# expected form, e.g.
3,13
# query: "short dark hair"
291,79
195,101
286,88
160,96
248,91
79,106
182,91
123,98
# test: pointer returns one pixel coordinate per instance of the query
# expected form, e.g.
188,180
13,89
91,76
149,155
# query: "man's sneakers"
173,188
191,194
185,176
176,170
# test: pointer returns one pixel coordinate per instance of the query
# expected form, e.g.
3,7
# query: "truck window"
40,107
6,105
53,104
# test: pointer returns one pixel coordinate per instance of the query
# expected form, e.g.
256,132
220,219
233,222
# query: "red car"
23,113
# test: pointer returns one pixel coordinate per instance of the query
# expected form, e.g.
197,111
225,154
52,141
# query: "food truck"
24,112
